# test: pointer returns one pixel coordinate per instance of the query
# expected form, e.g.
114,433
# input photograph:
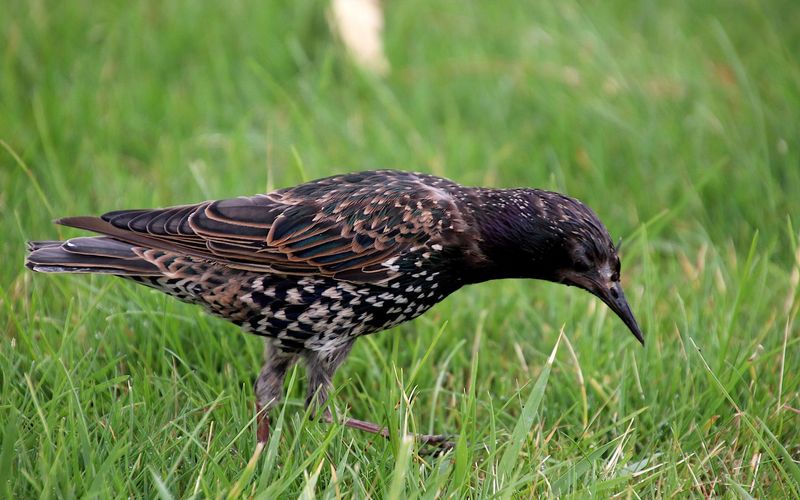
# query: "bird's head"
593,264
544,235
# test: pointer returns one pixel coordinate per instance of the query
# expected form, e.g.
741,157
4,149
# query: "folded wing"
350,227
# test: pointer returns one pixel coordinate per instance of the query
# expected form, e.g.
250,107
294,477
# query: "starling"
313,267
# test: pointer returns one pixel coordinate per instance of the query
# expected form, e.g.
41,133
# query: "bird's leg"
437,440
269,385
321,368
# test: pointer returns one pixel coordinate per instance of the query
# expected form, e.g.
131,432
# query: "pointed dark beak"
614,298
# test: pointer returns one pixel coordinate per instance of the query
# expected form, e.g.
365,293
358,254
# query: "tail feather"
99,254
36,245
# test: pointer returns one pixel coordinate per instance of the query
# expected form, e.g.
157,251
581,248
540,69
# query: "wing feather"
346,226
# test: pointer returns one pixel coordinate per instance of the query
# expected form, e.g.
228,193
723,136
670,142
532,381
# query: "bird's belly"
316,313
319,313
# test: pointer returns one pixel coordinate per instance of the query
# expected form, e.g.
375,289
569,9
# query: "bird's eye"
615,274
581,265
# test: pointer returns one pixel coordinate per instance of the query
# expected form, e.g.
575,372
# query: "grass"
676,121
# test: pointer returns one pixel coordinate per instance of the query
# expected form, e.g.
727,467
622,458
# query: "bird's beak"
614,298
611,293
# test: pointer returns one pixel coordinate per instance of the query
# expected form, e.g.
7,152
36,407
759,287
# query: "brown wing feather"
345,226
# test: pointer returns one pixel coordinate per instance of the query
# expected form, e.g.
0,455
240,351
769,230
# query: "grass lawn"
678,122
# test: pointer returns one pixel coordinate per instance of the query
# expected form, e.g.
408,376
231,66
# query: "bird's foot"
440,442
262,425
262,434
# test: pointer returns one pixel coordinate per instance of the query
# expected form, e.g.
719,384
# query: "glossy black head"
544,235
598,272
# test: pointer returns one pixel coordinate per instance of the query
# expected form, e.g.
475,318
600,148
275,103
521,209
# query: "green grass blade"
525,421
793,474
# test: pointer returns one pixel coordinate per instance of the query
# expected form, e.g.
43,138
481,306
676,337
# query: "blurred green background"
676,121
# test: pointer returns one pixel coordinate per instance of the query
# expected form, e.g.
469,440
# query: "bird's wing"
351,227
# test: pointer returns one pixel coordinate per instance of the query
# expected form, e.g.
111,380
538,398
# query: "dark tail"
99,254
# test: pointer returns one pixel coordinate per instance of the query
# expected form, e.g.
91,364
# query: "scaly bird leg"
321,367
262,423
437,440
269,385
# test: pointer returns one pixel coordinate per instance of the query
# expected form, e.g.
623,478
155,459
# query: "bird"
312,268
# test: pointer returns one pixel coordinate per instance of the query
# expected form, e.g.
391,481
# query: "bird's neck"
514,242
